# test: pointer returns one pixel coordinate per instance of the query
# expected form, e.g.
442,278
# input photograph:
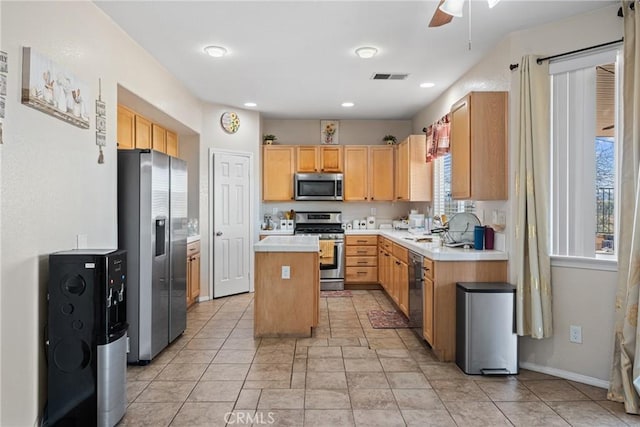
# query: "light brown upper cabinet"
479,147
126,128
143,133
414,179
159,138
315,158
278,166
356,171
135,131
172,143
368,173
381,173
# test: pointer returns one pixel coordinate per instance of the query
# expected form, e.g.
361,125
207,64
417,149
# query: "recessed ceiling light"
366,52
215,51
250,104
427,84
348,104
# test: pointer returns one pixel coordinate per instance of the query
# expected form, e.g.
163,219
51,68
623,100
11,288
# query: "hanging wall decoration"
4,69
330,131
48,87
101,123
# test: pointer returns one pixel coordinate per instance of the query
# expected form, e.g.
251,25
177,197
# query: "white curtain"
625,373
531,258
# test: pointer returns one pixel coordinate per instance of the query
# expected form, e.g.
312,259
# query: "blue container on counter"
478,237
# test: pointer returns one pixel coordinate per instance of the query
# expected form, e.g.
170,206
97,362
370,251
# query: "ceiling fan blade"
440,18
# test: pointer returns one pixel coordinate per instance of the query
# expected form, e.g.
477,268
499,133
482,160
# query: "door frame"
211,219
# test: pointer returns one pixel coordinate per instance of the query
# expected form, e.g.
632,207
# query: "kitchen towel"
326,251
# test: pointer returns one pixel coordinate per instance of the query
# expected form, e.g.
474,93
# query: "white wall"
580,297
247,140
51,185
352,132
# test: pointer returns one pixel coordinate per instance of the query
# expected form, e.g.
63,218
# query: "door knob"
219,233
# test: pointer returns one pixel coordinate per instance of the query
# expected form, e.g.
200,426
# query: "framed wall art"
50,88
330,131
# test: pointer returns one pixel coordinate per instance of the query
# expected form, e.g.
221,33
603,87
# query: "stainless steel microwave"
318,186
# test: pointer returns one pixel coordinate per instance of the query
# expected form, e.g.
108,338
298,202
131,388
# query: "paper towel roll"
371,223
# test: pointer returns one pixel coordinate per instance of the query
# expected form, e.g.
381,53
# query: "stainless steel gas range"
328,227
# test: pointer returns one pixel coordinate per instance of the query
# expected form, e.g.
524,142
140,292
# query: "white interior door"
231,220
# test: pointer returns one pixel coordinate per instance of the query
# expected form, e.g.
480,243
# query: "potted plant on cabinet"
269,139
389,139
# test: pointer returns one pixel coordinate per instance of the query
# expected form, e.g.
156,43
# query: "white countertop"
433,250
288,244
194,238
277,232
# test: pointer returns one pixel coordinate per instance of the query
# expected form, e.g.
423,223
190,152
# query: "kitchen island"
287,286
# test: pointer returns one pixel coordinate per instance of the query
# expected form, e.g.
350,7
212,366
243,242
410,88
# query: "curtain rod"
560,55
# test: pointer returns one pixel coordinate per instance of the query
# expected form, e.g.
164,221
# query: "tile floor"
347,374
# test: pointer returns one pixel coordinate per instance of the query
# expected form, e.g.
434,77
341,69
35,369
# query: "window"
442,201
584,123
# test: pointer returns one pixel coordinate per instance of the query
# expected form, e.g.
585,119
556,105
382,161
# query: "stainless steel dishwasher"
416,285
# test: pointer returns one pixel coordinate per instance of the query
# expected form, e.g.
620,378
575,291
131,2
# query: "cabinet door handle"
360,273
363,262
397,262
362,252
398,197
372,198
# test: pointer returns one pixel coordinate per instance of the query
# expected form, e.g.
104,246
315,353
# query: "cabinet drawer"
193,248
361,250
400,252
427,269
362,261
385,243
361,274
362,240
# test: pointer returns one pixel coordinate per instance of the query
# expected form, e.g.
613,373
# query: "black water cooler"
87,338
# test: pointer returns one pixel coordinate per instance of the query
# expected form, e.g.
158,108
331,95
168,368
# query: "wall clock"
230,122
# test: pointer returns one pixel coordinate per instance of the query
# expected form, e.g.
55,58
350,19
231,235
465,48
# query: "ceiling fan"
447,9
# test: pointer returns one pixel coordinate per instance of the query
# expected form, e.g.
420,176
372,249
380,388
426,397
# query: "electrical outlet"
81,241
286,272
275,211
374,211
575,334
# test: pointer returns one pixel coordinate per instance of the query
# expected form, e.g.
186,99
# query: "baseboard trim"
202,299
567,375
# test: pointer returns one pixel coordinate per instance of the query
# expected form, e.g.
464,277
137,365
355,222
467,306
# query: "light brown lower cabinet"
193,272
361,259
440,303
439,293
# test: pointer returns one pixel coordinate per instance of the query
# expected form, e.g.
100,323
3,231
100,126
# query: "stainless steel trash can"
486,340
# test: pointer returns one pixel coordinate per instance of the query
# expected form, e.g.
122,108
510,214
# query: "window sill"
600,262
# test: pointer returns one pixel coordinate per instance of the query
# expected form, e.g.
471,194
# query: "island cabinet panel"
286,307
445,276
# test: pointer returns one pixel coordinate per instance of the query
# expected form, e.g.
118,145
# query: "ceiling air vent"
389,76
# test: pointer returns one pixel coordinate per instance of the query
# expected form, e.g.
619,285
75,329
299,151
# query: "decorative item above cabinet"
479,147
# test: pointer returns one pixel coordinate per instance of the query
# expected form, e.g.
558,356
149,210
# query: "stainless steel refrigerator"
152,227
